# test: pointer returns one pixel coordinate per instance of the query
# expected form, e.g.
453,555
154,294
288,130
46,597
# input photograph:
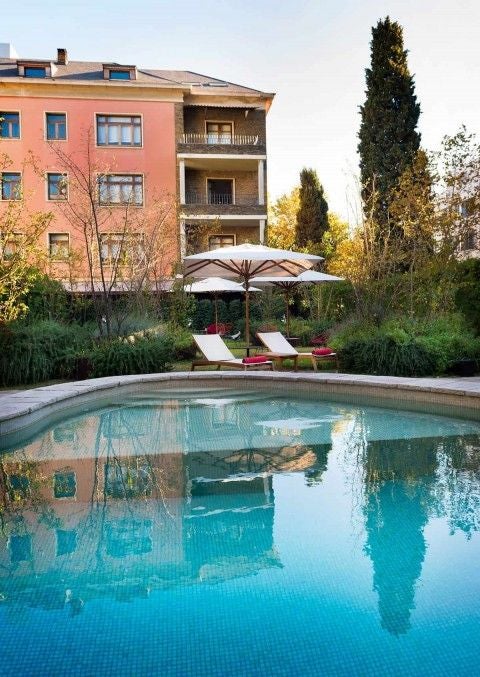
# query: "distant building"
198,138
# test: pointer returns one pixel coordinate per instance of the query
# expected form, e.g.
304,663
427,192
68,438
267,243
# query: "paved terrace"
25,412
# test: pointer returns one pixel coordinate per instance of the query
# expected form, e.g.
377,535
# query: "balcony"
222,204
221,199
220,139
233,144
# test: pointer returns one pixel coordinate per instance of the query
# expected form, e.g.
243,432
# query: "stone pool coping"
27,408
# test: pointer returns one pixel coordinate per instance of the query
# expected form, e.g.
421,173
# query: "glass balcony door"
220,191
219,132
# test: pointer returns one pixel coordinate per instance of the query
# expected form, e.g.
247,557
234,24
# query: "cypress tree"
388,135
312,215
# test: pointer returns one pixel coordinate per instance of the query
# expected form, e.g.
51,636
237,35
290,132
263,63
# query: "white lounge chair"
279,349
216,352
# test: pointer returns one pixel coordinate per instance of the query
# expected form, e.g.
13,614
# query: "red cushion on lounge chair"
256,359
322,351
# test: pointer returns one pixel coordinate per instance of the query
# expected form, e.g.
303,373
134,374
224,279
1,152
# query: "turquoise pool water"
236,533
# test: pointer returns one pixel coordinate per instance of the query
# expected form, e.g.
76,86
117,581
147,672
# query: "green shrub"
222,309
387,356
46,300
184,347
33,353
467,295
145,355
303,329
203,315
235,311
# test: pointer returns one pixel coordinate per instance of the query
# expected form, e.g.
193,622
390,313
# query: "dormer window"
114,71
35,69
35,72
119,75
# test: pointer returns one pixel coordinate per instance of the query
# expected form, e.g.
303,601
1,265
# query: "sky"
312,54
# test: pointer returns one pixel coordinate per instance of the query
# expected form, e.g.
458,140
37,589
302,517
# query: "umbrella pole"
247,317
216,311
287,314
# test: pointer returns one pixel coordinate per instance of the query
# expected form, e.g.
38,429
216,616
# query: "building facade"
194,140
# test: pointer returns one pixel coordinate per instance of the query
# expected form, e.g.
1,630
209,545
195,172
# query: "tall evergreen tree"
388,135
312,215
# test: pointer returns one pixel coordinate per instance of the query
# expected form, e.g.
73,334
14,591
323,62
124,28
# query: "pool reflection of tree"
406,482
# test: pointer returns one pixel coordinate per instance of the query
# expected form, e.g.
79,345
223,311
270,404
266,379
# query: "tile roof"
92,71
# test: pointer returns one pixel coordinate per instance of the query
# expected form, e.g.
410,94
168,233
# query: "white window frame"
119,115
13,138
122,204
45,131
47,196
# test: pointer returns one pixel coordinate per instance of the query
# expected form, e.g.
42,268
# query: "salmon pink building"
149,136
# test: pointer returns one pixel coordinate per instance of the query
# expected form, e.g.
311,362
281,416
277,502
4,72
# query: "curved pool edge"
457,397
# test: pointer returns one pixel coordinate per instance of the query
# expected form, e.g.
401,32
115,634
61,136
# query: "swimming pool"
227,532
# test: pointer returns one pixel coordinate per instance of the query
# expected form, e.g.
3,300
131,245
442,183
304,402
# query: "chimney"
8,50
62,56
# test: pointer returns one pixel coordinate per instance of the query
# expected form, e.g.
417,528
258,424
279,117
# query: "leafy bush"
303,329
387,356
203,315
235,311
145,355
467,295
222,308
445,338
46,300
35,353
184,347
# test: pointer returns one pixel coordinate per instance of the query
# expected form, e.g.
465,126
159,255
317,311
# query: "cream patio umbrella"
288,283
216,285
246,261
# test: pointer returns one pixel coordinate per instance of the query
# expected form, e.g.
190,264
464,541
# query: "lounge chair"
279,349
216,352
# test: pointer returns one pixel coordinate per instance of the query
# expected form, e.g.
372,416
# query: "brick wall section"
197,236
194,119
246,184
220,210
179,120
227,149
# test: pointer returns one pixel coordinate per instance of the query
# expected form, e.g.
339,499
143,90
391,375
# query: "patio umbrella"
215,285
288,283
244,262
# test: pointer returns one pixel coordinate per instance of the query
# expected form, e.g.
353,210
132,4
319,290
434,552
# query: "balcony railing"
194,198
221,139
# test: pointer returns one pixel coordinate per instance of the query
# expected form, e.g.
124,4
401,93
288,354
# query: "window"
117,130
127,537
66,542
11,186
218,241
220,191
18,487
9,125
64,484
10,244
57,186
219,132
122,247
58,246
121,189
21,548
119,75
35,72
56,126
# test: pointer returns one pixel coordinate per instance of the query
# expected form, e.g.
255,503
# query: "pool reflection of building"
116,523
